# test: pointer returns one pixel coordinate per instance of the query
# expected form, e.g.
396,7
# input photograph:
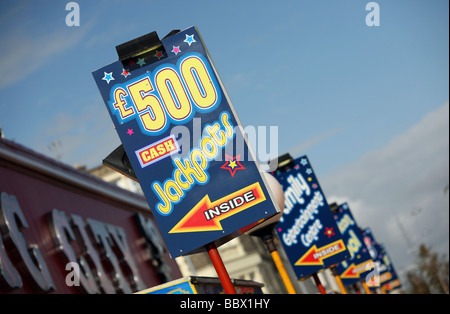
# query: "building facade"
63,230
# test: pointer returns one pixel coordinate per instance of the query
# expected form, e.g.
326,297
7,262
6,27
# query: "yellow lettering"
192,169
207,141
212,131
177,175
149,107
353,244
186,169
195,154
169,146
226,123
198,82
173,94
145,156
161,149
165,206
119,103
153,153
173,197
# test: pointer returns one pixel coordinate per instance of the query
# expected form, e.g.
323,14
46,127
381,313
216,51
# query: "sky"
368,105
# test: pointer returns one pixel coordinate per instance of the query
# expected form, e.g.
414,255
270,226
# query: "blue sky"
339,91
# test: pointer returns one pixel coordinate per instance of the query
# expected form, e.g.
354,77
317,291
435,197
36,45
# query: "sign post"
220,268
266,232
318,283
280,266
338,279
184,141
307,230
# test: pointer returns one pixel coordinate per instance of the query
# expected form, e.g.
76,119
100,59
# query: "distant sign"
384,271
307,230
180,131
360,262
374,278
179,286
389,279
203,285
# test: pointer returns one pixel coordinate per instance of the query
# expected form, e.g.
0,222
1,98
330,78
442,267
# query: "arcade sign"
202,188
360,262
307,230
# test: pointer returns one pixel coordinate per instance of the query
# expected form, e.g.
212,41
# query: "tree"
431,274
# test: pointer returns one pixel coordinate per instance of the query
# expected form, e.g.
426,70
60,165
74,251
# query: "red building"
63,230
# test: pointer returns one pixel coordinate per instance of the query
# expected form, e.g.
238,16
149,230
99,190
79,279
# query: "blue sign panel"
360,262
181,286
384,271
181,134
307,230
383,274
389,279
375,251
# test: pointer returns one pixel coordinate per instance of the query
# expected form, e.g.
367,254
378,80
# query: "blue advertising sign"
389,279
307,230
180,132
373,279
180,286
383,273
360,262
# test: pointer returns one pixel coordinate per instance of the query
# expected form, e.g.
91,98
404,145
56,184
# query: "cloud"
399,191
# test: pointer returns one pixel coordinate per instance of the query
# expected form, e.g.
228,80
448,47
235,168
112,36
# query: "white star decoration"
108,77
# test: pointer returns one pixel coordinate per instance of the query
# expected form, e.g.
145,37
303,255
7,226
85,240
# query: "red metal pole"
220,269
355,286
319,284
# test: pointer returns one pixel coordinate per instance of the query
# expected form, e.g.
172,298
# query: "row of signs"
205,188
316,236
